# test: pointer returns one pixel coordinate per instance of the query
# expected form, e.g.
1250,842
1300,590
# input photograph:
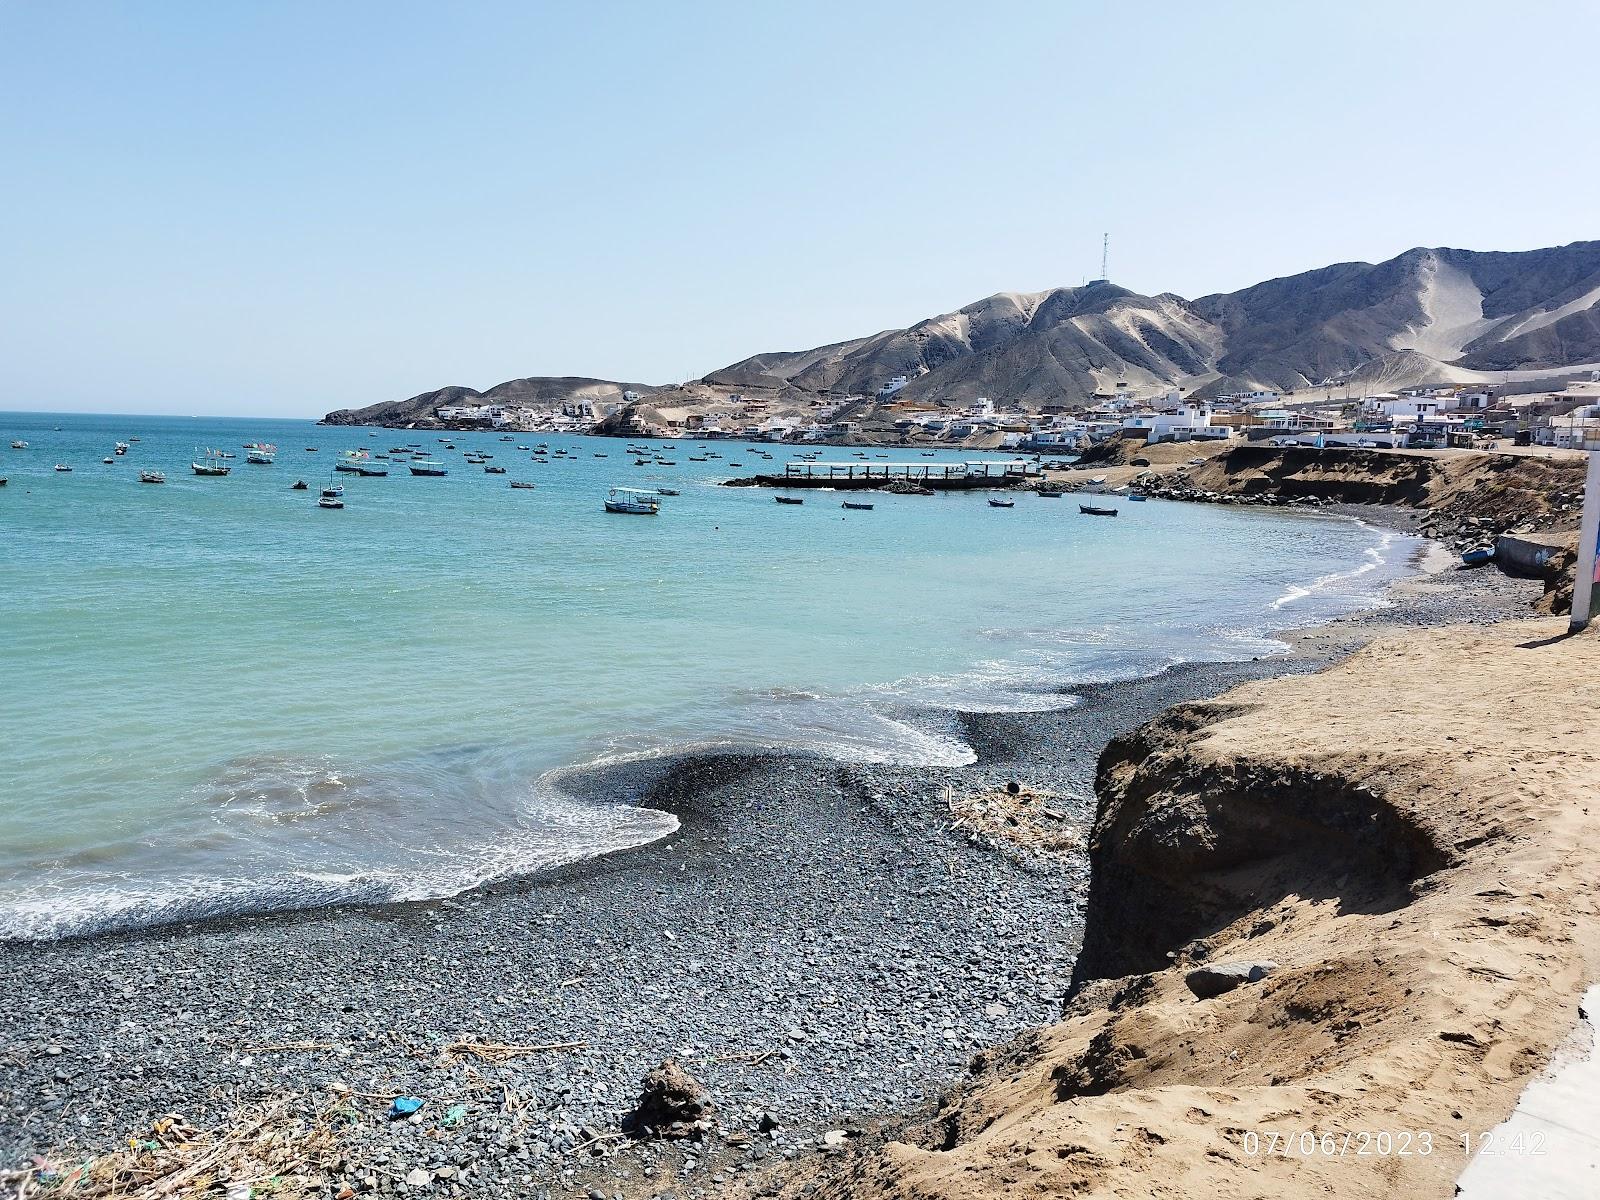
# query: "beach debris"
672,1104
1021,819
499,1052
418,1177
1216,978
295,1145
405,1106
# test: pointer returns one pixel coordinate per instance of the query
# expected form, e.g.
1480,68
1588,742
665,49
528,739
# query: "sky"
285,208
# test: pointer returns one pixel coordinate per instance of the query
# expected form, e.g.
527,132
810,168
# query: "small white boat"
152,477
331,498
62,467
262,453
633,501
19,444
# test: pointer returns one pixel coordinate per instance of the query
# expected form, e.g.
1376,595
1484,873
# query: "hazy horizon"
278,212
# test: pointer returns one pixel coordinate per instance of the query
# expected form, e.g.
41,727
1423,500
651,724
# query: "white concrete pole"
1588,535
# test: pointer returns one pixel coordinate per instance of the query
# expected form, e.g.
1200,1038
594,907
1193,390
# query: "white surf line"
1549,1147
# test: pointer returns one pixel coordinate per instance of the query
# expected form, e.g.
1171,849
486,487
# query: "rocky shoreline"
820,945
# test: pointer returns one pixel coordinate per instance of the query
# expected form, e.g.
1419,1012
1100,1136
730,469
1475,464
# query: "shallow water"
219,697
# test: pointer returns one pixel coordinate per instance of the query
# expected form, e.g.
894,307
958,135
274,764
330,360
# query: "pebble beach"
820,944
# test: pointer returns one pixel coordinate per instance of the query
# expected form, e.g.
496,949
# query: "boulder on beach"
671,1104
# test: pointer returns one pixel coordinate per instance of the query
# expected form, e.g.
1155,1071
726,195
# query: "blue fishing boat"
1477,556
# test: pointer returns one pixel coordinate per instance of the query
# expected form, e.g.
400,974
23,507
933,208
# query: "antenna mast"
1105,256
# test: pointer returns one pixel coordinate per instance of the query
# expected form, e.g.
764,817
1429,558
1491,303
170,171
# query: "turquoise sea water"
218,696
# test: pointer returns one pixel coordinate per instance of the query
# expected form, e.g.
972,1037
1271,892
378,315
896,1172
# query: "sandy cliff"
1409,836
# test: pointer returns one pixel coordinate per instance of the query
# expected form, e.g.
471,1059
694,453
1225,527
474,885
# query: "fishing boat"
993,503
1477,556
331,498
370,471
494,470
19,444
108,460
152,477
350,461
210,463
299,485
333,489
632,500
666,491
857,505
523,483
120,448
1137,496
1097,480
427,467
1090,510
261,453
62,467
790,499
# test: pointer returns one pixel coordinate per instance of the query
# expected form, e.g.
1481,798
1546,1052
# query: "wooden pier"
862,476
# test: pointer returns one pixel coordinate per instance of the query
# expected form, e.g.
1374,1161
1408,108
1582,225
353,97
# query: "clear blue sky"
282,208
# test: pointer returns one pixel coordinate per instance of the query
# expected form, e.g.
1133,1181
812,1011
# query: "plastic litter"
404,1106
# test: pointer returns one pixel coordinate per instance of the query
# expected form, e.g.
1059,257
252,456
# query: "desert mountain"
1426,316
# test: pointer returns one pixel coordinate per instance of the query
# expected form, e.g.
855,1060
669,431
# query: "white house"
1187,422
1577,430
893,386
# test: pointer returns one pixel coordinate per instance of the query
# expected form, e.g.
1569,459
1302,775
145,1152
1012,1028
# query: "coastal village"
1563,415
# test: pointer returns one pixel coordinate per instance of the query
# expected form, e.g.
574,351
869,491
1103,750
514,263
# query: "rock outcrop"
1424,886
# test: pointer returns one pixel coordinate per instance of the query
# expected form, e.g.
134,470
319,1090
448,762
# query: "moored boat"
1090,510
260,453
331,498
857,505
790,499
371,471
62,467
993,503
19,444
632,501
492,470
152,477
428,467
299,485
523,483
1136,496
